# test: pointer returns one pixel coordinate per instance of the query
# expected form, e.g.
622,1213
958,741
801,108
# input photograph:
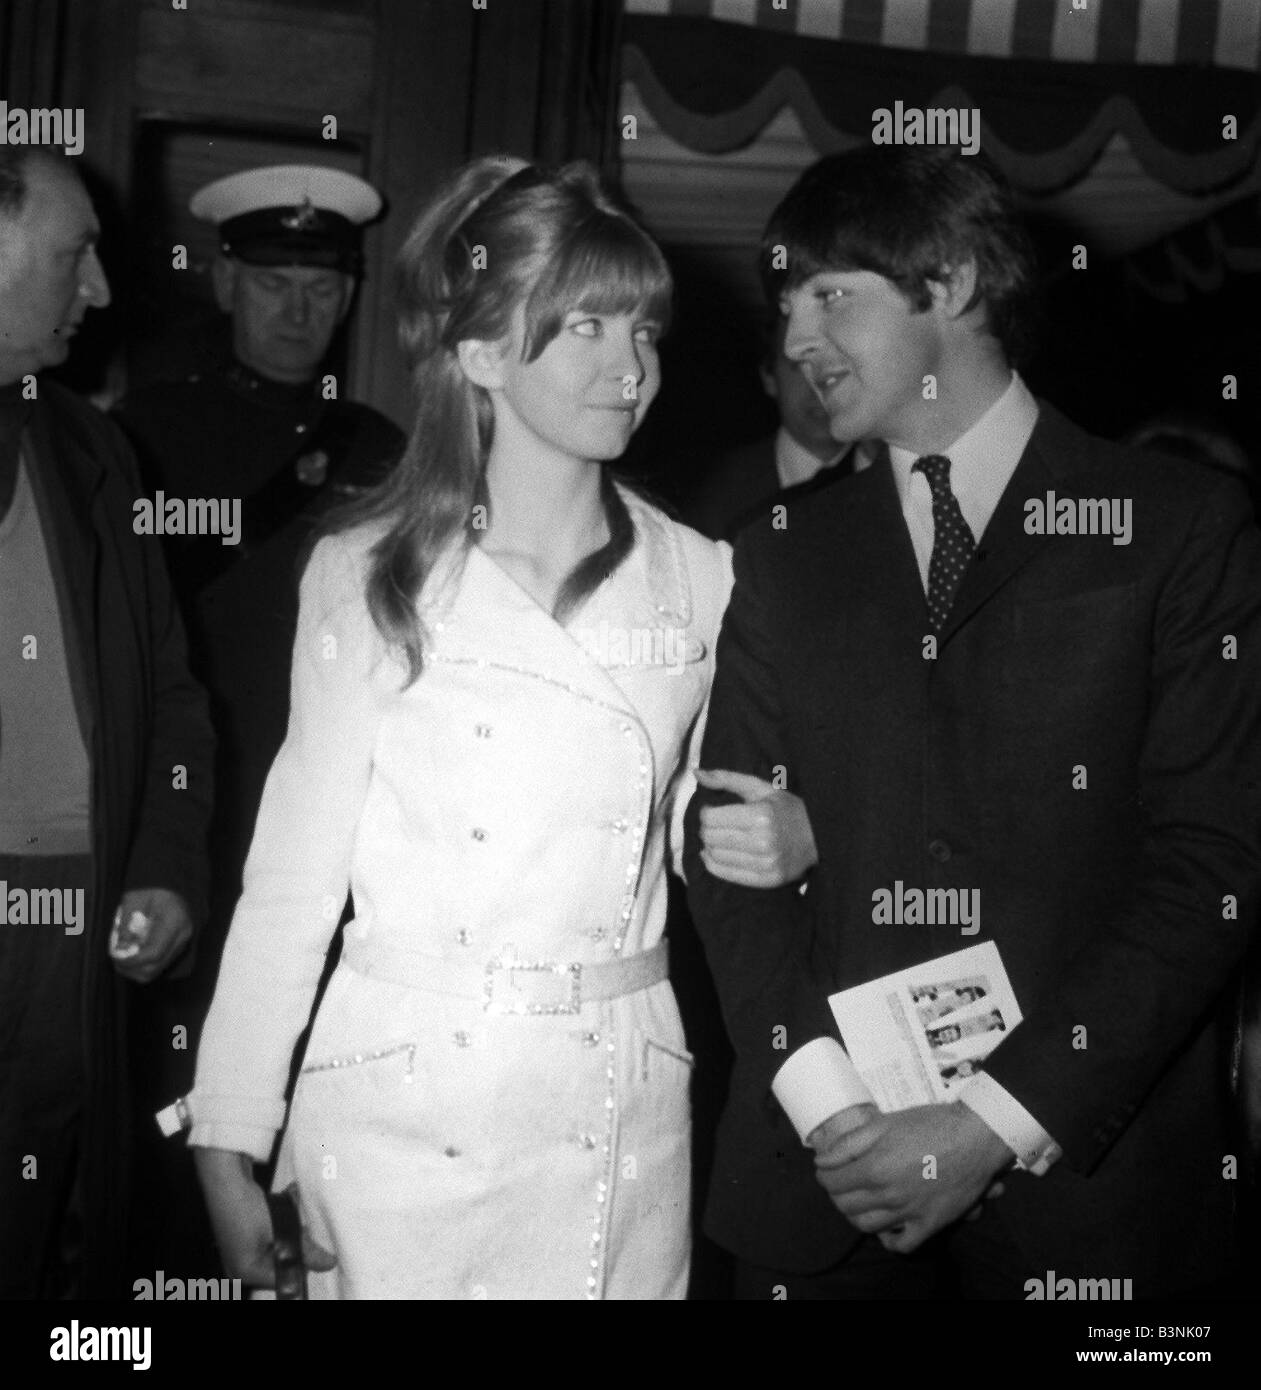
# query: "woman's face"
588,390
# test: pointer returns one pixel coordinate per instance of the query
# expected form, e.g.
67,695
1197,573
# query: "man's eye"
273,284
831,296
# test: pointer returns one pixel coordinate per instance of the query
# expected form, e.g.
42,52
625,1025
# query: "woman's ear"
481,361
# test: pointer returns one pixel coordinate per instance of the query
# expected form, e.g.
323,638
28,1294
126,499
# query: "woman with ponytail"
499,679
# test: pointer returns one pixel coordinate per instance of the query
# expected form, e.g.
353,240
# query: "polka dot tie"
953,544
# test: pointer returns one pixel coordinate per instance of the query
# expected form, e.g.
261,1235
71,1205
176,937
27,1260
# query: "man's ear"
482,361
223,277
954,289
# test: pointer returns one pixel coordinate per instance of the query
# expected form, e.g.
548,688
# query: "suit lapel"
879,567
1005,548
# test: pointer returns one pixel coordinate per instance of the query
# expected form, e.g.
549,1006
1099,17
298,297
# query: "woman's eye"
648,333
586,328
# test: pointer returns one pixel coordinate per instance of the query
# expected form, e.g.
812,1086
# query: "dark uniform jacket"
286,453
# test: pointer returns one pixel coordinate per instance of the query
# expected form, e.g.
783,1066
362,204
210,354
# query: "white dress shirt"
817,1080
794,463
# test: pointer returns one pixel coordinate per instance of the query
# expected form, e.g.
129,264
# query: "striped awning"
1222,33
714,86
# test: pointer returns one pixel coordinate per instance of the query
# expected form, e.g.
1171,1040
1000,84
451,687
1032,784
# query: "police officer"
263,427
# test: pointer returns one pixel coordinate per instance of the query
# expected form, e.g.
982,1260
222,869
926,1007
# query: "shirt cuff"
1034,1148
815,1082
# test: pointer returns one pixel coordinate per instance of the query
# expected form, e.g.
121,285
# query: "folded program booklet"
915,1036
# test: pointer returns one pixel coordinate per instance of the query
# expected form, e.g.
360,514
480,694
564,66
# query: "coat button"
482,730
939,850
587,1141
462,1039
464,936
479,834
590,1039
619,826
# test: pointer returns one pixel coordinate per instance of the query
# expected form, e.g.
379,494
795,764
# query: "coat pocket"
366,1058
656,1056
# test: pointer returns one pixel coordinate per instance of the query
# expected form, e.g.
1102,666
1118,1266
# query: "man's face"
49,273
283,317
865,351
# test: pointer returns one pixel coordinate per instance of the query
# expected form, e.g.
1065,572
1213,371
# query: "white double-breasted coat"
516,802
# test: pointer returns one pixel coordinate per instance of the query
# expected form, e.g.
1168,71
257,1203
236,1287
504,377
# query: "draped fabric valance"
713,86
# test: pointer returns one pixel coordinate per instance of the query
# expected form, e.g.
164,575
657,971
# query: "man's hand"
168,931
823,1138
764,841
880,1177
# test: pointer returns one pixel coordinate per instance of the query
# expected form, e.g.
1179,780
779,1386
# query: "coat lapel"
1005,548
65,478
487,618
876,560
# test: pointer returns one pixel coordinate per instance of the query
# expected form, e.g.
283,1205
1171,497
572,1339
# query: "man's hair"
908,212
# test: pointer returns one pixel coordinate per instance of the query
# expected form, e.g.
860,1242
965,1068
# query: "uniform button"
451,1152
590,1039
479,834
299,429
939,850
462,1039
618,827
482,730
587,1141
464,936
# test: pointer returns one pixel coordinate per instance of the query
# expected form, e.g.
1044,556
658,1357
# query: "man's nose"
93,285
800,335
297,307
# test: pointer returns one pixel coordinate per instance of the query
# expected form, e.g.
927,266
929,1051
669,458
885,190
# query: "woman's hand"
241,1221
763,841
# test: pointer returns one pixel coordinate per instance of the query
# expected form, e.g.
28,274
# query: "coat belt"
507,984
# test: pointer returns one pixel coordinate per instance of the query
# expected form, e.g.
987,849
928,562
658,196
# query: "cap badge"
301,219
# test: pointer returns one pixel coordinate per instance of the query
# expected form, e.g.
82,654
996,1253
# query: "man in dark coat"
105,761
1014,661
262,427
799,459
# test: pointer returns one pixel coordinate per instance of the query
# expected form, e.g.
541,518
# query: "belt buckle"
503,993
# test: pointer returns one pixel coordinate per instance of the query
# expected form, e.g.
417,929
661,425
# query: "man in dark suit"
800,458
105,761
1064,719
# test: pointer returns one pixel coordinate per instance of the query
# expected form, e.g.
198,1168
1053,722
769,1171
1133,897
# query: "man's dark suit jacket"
143,716
1110,904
